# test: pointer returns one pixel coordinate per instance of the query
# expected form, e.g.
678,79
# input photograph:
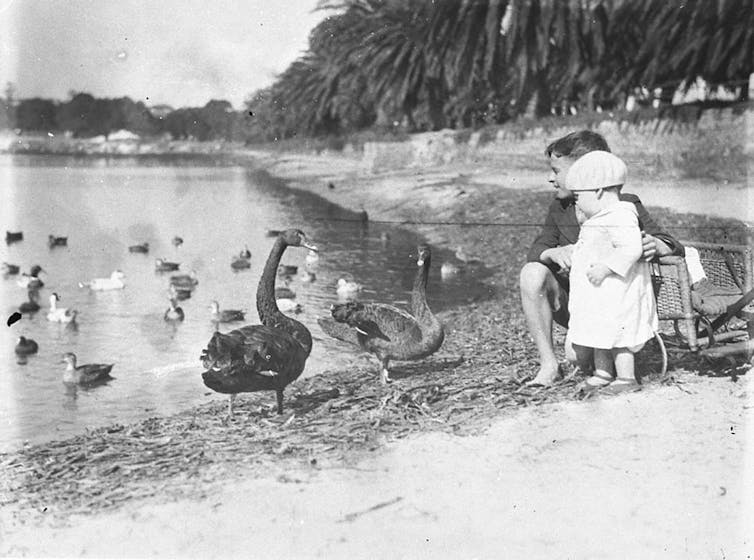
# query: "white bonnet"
596,170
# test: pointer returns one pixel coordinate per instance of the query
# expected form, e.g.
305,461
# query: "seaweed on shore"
334,416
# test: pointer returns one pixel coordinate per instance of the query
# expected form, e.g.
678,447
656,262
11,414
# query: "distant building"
161,111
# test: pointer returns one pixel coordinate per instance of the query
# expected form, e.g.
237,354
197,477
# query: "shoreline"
378,493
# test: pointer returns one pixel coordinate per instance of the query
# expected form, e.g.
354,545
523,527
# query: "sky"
178,52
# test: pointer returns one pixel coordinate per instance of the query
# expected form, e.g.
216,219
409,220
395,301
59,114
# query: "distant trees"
84,115
429,64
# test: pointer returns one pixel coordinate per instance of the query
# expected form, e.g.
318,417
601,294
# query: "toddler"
612,306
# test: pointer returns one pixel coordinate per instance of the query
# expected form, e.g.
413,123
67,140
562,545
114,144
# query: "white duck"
60,314
288,305
115,282
347,288
312,258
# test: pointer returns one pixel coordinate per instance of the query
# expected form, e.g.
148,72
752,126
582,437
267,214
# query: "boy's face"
559,166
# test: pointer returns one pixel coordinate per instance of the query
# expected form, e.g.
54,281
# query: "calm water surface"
103,206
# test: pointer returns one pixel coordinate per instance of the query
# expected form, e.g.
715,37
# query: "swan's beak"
307,245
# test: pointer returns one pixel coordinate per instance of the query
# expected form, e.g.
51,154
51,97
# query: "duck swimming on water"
26,346
115,282
13,236
10,269
60,314
161,265
225,315
141,248
174,312
53,241
240,263
85,374
31,280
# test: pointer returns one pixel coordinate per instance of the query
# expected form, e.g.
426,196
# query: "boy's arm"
656,241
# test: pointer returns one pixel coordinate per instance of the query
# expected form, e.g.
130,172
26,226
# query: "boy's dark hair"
576,144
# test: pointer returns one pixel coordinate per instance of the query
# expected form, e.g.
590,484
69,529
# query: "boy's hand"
560,256
597,272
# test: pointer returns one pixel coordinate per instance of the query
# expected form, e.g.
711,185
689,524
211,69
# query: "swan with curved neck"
386,331
264,357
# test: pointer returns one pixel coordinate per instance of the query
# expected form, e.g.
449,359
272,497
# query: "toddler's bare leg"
603,363
624,365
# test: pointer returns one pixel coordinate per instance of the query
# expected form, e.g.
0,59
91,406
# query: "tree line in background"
432,64
85,116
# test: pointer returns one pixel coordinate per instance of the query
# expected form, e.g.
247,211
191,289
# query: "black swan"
386,331
264,357
86,374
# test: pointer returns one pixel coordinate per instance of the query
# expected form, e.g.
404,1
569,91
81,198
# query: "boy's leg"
543,300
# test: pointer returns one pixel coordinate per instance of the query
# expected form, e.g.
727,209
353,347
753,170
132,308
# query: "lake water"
105,205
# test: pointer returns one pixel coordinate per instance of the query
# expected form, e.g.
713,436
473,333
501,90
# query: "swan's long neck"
268,310
419,307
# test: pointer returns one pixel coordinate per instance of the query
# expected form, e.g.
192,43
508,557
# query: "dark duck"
266,357
386,331
86,374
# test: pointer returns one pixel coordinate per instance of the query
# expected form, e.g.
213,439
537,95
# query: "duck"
177,241
225,315
10,269
262,357
26,346
115,282
347,288
240,263
54,241
141,248
306,275
245,253
30,305
13,236
312,258
161,265
386,331
179,293
449,269
288,305
186,281
466,260
31,280
60,314
86,374
174,312
285,292
287,270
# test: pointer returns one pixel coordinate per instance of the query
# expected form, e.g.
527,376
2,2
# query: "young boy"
611,305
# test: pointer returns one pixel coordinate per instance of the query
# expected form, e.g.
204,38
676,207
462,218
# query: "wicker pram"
704,319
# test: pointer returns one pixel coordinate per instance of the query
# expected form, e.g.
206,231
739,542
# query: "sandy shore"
663,473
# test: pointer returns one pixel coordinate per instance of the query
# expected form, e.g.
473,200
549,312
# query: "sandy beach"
662,473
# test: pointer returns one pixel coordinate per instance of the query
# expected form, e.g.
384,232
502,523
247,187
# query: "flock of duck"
270,355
